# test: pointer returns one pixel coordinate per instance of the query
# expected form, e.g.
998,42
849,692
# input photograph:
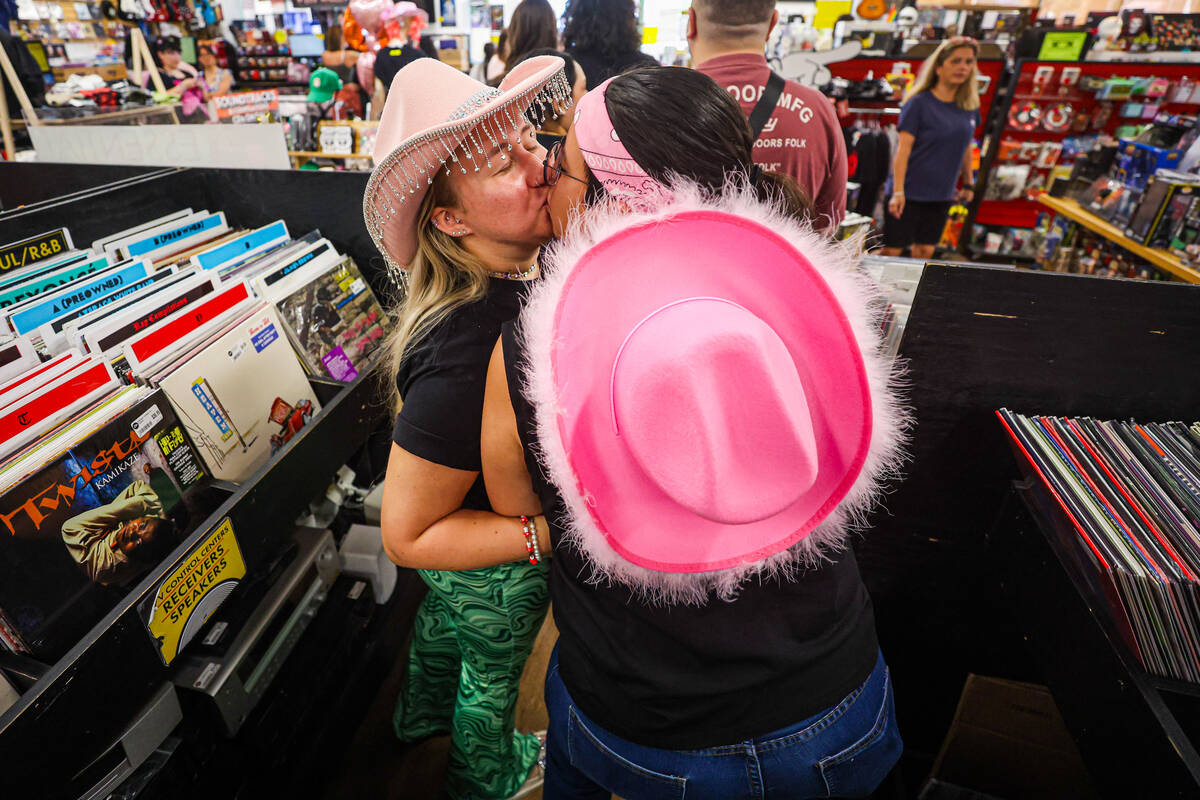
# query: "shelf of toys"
1057,111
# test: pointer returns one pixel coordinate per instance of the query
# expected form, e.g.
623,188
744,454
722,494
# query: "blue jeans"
844,751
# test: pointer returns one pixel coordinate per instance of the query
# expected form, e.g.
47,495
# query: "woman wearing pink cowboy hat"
457,206
697,390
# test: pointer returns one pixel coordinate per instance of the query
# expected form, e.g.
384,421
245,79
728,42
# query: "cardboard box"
1008,740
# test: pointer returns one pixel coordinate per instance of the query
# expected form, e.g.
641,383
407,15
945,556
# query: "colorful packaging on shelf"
334,321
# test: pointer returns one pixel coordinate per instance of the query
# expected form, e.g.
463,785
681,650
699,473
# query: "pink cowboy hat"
709,393
431,110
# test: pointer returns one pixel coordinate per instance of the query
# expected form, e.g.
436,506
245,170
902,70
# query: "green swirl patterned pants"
472,635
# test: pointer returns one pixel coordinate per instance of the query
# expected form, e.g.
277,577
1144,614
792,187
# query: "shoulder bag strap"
765,106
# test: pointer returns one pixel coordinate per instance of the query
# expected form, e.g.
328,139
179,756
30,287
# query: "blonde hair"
967,96
441,277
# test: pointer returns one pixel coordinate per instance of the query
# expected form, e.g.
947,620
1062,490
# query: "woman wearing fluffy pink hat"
695,396
457,206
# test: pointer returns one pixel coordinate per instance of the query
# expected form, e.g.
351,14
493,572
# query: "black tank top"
685,677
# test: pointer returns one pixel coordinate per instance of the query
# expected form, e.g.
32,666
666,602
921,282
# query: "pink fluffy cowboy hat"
709,393
431,111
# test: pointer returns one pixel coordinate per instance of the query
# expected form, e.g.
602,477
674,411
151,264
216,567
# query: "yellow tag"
649,35
281,36
188,596
828,11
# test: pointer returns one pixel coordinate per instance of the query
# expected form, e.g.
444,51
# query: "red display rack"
1027,87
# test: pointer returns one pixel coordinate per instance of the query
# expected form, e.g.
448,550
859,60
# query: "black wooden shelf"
73,715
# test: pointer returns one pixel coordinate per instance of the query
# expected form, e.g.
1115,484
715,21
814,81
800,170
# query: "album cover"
243,396
335,322
78,532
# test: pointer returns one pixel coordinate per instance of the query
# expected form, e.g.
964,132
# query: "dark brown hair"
533,27
680,122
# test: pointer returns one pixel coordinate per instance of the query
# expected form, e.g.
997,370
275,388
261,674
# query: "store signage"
1062,46
35,249
240,107
185,599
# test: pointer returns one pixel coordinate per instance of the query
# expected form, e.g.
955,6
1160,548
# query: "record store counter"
76,726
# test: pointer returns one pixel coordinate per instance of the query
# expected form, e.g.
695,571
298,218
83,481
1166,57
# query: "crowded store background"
1044,112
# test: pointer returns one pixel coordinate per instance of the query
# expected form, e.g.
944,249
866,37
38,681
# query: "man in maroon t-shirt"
802,138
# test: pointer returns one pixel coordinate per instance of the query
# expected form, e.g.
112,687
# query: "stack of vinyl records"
898,279
133,372
1131,493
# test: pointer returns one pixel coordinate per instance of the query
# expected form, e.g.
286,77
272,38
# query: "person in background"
937,123
180,80
716,639
212,80
457,206
495,66
479,71
336,57
533,27
555,126
801,138
603,37
400,51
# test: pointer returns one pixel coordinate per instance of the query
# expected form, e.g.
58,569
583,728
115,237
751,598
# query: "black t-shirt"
442,381
390,60
685,677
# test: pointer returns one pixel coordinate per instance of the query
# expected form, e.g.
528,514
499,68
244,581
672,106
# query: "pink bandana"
608,159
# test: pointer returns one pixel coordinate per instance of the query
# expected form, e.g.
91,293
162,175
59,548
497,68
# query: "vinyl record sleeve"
311,260
51,332
42,267
21,291
109,333
334,321
173,237
246,244
172,333
225,393
64,530
43,409
49,307
102,245
39,375
16,357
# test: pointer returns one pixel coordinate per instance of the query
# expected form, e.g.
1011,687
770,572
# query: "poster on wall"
497,18
449,16
479,14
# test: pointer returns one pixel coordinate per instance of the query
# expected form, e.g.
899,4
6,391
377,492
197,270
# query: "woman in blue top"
937,122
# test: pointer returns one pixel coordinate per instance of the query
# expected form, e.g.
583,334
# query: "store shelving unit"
1162,259
1022,212
64,733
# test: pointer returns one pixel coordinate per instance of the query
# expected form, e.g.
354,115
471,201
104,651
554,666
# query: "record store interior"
489,399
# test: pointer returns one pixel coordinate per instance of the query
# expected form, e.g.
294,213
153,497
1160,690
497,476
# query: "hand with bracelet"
966,193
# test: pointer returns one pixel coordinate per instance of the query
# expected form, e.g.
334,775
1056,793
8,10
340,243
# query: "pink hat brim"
406,152
748,264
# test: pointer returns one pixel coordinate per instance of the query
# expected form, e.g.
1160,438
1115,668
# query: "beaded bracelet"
529,528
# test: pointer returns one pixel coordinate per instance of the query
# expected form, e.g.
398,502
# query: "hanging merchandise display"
1058,117
1026,116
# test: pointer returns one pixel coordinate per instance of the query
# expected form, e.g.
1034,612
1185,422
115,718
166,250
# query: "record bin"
978,339
64,731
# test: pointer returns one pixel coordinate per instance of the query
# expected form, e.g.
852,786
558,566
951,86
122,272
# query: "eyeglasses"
552,166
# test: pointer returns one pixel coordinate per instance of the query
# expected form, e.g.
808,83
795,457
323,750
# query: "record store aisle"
378,766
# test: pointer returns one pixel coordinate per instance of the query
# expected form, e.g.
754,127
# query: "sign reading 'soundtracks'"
185,599
245,106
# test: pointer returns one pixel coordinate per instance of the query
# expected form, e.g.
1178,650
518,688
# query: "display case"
70,729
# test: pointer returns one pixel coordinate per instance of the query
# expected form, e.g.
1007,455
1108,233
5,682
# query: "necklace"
524,274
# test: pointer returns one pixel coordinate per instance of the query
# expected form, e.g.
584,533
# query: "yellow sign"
649,35
188,596
828,11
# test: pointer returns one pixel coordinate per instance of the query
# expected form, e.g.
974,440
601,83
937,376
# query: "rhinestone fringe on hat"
415,161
